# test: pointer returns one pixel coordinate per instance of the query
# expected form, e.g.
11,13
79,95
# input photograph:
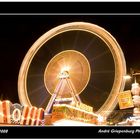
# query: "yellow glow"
41,109
65,68
33,120
127,77
67,64
28,118
65,122
1,114
7,101
22,118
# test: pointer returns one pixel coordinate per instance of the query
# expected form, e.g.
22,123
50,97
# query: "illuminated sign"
84,107
16,115
20,115
64,111
125,100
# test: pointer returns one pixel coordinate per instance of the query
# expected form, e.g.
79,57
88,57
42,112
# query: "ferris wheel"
87,54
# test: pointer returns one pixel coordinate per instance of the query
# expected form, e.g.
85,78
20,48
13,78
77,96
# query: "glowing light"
22,118
65,68
1,114
64,73
33,120
28,118
7,101
41,109
127,77
16,115
100,119
65,122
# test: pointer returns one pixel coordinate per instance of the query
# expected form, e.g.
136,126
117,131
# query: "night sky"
19,32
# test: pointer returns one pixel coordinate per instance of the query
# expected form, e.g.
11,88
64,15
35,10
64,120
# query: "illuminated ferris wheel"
86,55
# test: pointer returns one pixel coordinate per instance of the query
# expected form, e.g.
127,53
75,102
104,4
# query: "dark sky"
19,32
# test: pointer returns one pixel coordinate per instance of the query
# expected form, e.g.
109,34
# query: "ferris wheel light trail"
81,52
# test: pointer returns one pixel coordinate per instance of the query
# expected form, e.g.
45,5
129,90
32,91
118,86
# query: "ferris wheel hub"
64,75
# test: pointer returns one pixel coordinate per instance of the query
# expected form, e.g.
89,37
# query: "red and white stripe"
1,113
40,115
6,105
24,115
32,115
5,116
